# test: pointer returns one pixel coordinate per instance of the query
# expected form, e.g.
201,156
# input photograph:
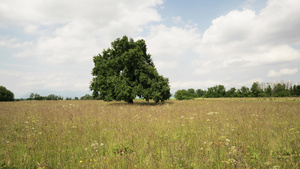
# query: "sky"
47,46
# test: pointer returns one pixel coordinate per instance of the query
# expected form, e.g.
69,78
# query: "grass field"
204,133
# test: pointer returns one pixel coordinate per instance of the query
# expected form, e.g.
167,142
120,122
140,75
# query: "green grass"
204,133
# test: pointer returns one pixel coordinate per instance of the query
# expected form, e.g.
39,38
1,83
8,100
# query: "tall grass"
209,133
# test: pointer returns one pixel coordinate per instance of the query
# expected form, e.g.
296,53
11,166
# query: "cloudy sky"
47,46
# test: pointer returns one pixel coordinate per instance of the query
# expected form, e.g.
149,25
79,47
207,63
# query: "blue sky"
47,46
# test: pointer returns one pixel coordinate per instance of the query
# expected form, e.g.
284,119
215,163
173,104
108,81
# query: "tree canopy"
257,90
126,71
6,95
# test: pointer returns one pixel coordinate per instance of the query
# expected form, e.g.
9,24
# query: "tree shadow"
141,103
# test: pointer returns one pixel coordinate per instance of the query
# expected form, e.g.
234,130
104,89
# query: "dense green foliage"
257,90
5,94
35,96
185,94
86,97
126,71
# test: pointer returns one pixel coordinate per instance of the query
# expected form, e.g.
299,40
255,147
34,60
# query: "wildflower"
101,144
80,161
211,113
85,149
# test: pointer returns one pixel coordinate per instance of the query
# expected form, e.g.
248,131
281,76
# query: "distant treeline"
35,96
257,90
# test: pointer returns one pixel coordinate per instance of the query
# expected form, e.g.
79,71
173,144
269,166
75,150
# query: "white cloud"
282,72
162,65
14,43
170,42
232,28
28,81
246,38
66,34
75,30
201,71
279,23
101,12
177,19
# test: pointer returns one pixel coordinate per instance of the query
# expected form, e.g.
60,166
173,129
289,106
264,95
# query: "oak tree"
126,71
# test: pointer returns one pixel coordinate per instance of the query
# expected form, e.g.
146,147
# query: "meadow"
203,133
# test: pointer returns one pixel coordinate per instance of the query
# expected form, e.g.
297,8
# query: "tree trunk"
130,101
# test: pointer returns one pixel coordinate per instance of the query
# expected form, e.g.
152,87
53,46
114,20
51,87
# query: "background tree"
268,91
180,94
256,90
126,71
216,91
6,95
295,90
38,97
192,93
231,93
244,92
52,97
86,97
185,94
200,93
31,97
281,90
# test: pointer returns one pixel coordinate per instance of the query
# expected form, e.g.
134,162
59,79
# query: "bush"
184,95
